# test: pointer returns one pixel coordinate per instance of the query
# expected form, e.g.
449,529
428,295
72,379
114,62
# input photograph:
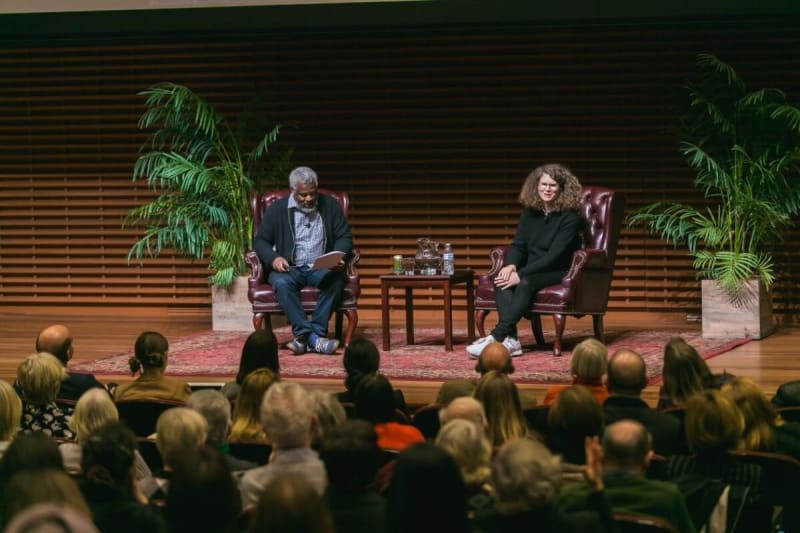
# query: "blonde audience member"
39,377
179,431
588,368
246,426
150,360
500,399
10,415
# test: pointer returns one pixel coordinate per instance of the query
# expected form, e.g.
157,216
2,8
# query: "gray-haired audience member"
289,418
626,455
216,409
465,407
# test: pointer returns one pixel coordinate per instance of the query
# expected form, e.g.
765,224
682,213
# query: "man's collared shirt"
309,235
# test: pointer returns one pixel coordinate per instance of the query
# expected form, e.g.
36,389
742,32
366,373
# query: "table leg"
409,316
470,311
385,314
448,316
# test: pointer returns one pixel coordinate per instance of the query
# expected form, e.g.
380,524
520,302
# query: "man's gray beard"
307,210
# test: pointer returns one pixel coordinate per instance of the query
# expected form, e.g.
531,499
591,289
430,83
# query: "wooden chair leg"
352,322
536,327
258,322
558,322
598,328
480,318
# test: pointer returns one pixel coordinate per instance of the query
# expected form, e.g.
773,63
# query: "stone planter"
749,317
230,308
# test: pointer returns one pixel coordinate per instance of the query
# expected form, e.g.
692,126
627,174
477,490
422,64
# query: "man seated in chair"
294,231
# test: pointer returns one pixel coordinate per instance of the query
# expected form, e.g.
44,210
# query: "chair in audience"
584,289
657,468
141,415
426,420
631,523
256,452
537,418
790,414
262,296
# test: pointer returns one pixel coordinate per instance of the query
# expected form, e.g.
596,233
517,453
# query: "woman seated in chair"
547,235
150,360
246,424
39,377
260,350
685,374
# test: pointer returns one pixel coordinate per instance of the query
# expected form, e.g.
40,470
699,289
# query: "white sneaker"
477,347
513,346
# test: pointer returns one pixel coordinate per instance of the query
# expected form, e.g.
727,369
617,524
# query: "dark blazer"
668,436
77,384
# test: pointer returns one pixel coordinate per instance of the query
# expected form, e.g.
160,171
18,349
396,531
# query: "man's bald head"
465,407
495,357
57,340
626,373
627,446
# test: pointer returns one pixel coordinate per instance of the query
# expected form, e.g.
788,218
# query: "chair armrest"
585,258
352,261
256,268
497,257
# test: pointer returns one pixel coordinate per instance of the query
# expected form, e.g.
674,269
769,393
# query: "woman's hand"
593,470
507,277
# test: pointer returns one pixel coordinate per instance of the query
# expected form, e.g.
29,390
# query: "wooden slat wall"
431,131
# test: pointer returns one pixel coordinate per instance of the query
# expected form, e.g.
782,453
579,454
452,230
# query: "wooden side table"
446,283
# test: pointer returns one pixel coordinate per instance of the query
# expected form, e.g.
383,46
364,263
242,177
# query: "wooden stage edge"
99,332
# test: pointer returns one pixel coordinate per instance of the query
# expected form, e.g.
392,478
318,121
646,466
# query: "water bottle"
448,260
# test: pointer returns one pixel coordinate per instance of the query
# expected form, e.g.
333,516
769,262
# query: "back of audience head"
627,447
351,455
374,399
525,476
330,413
575,411
108,456
51,518
39,377
288,416
468,445
760,417
55,340
150,352
179,430
290,504
247,411
454,388
361,358
500,399
427,492
589,362
684,373
467,408
30,451
713,423
627,373
10,411
260,350
93,409
495,356
29,487
202,494
216,409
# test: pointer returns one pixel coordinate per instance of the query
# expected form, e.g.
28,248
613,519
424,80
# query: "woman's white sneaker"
477,347
513,346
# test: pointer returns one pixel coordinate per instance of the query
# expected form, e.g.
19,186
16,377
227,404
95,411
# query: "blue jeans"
287,286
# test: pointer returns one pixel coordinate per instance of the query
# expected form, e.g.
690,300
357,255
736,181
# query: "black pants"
513,303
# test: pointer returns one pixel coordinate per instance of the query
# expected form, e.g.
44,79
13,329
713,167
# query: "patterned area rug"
217,354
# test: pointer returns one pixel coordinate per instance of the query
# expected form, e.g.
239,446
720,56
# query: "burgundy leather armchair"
584,289
262,296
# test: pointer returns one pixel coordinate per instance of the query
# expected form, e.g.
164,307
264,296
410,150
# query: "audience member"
179,431
51,518
467,408
108,482
764,429
92,410
361,358
290,504
588,367
468,445
202,494
574,416
260,350
500,399
374,402
787,394
351,455
57,340
330,413
527,479
39,377
427,492
288,417
246,425
150,359
10,415
685,374
455,388
216,409
627,377
626,455
495,356
30,487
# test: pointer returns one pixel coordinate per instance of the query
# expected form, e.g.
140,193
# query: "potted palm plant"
744,147
204,177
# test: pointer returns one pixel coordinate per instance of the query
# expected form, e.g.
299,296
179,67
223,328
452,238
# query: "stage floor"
769,362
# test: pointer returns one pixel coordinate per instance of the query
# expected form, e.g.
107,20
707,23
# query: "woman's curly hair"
569,188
